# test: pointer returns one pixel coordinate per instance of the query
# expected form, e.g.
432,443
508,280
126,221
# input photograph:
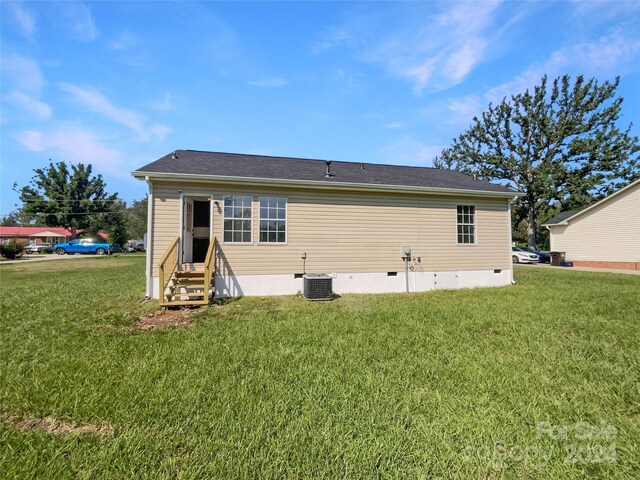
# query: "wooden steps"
188,280
180,303
186,288
189,283
186,284
186,294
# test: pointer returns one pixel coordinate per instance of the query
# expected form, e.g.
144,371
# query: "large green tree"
113,222
59,196
137,218
559,144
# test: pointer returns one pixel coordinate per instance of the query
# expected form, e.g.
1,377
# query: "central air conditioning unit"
318,286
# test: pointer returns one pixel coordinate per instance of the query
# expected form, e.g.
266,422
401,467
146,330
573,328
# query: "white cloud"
22,76
269,82
22,73
34,107
74,144
394,125
451,45
434,52
462,110
462,61
24,18
77,19
615,52
98,103
599,11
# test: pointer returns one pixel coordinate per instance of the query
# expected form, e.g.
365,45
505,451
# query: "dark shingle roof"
561,217
191,162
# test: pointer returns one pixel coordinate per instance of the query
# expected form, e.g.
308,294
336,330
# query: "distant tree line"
72,197
560,145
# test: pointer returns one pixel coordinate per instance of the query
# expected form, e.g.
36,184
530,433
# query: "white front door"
187,230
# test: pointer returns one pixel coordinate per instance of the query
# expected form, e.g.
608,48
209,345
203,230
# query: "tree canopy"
71,198
113,223
137,218
560,145
59,196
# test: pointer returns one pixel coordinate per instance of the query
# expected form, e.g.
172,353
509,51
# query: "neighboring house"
604,235
38,235
34,235
275,218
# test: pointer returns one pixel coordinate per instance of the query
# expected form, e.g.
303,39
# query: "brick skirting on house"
618,265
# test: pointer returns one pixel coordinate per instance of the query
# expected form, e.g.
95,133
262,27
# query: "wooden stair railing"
210,267
187,287
167,267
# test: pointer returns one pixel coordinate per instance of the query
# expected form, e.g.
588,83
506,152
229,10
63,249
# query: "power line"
106,212
63,200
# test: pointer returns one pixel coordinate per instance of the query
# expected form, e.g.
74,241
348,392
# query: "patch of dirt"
28,423
164,318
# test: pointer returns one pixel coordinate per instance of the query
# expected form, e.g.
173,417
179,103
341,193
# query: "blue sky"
121,84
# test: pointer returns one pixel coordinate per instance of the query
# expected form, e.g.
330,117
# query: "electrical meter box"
406,252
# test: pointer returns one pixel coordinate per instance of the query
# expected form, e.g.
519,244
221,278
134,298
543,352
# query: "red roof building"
38,235
35,235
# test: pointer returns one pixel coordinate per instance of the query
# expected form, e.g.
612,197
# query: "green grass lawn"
442,384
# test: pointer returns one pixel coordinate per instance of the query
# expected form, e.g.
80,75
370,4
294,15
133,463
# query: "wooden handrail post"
208,264
169,259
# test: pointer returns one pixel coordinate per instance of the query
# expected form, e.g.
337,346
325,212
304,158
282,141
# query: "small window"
273,220
237,218
466,224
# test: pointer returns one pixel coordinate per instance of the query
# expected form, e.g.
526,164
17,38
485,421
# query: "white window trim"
251,242
286,220
475,225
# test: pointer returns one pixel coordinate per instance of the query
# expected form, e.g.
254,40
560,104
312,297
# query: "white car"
521,256
37,248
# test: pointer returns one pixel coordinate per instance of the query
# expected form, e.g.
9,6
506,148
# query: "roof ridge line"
351,162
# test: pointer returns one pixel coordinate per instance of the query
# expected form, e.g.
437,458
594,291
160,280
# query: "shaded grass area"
441,384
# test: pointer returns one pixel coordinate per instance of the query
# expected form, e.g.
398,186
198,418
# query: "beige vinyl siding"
610,232
349,231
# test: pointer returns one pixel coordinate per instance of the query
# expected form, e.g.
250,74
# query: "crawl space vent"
318,286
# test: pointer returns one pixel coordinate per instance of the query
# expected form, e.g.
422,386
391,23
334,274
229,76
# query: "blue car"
544,257
83,245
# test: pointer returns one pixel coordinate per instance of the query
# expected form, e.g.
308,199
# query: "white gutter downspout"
548,227
509,202
149,245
